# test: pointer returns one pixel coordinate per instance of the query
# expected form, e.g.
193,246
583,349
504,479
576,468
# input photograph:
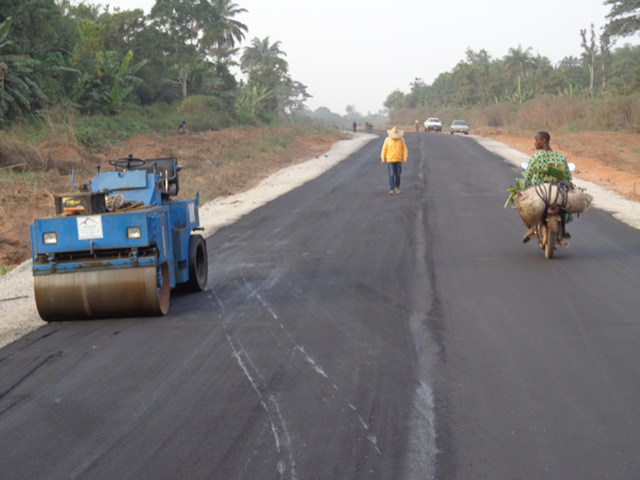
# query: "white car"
433,124
459,126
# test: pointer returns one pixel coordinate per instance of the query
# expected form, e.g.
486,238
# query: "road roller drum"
118,256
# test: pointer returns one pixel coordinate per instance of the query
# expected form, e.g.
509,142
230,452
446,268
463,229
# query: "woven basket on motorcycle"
533,202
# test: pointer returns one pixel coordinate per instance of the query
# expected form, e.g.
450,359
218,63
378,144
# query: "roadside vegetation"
599,90
79,83
560,114
103,62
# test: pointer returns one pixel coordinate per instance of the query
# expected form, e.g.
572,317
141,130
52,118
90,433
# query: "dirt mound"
62,156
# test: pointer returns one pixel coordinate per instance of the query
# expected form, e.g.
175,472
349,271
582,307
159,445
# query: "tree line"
480,79
101,61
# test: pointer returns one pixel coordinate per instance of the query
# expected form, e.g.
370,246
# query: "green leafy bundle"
521,184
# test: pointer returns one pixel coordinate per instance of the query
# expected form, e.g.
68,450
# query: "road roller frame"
118,245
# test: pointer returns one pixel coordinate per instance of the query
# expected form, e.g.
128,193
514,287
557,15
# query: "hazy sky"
356,52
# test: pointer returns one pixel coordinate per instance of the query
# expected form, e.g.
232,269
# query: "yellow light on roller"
133,233
50,238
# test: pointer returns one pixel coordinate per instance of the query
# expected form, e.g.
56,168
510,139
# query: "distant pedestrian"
355,125
394,151
182,129
417,124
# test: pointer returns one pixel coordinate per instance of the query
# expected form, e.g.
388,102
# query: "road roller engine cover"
117,246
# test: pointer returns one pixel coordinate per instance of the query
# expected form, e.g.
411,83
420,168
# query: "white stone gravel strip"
623,209
18,313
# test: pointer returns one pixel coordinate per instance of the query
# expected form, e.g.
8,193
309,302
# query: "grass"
19,145
571,128
26,179
64,123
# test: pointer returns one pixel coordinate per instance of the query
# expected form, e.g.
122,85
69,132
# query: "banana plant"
107,87
17,90
251,99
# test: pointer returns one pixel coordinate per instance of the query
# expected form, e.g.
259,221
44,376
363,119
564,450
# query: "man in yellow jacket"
394,151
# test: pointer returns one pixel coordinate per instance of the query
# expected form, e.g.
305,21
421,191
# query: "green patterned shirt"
539,161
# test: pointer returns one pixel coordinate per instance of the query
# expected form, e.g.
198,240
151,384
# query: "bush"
499,115
204,113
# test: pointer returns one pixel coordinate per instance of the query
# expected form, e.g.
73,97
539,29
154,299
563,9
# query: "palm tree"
232,29
261,51
569,62
520,62
224,31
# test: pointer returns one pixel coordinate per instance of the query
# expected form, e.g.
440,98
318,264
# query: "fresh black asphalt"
347,333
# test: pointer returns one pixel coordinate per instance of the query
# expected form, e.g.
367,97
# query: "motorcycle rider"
536,171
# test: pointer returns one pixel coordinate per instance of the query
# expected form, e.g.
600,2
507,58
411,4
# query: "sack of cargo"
532,202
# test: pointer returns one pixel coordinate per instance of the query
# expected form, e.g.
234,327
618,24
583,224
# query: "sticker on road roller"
89,227
192,213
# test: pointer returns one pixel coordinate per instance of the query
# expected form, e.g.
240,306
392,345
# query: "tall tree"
268,72
589,54
180,23
569,62
481,57
196,30
442,91
38,28
394,100
124,31
624,62
624,18
605,57
220,42
519,62
478,83
262,51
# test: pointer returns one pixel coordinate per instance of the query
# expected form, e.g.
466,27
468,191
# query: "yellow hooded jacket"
394,150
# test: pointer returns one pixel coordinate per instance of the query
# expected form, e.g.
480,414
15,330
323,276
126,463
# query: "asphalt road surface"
346,333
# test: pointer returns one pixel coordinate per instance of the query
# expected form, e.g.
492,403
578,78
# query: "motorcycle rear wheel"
550,245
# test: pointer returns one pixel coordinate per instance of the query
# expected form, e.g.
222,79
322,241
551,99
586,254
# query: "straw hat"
395,132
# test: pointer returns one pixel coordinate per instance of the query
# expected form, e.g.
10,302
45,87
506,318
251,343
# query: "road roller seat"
167,168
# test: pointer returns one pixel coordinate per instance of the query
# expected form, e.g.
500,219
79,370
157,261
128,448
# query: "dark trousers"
395,170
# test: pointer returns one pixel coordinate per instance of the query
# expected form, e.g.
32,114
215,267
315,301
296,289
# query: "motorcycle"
550,228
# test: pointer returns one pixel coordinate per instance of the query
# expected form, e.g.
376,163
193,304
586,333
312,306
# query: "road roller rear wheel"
198,264
164,289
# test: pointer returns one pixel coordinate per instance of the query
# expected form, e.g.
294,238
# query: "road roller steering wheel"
127,162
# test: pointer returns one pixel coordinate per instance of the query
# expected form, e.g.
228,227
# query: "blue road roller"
118,244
